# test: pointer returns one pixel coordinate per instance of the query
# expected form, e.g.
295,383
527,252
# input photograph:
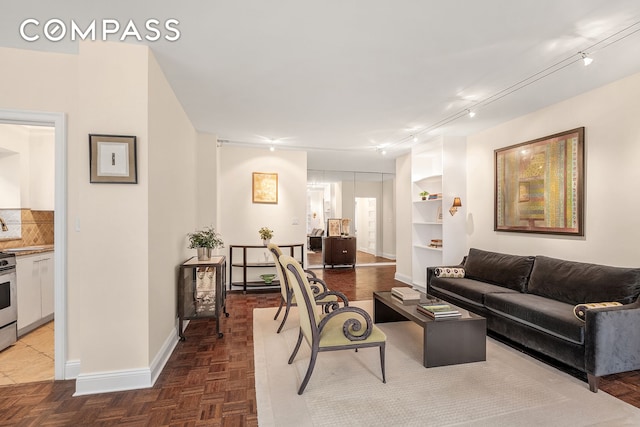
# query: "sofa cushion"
472,291
510,271
544,314
576,282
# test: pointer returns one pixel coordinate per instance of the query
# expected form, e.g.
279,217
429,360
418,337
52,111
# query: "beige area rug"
509,389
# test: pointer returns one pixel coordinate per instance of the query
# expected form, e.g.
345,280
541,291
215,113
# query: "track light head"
586,59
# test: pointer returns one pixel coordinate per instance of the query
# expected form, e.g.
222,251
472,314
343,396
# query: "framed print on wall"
113,159
333,227
265,187
539,185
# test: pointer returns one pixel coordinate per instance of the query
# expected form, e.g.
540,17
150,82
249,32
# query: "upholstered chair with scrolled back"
323,296
342,329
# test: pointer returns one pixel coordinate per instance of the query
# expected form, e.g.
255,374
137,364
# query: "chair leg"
284,319
279,308
384,379
312,364
295,350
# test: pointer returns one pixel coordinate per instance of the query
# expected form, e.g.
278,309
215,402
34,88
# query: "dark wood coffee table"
446,342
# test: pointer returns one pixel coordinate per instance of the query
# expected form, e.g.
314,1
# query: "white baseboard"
389,255
71,369
128,379
402,278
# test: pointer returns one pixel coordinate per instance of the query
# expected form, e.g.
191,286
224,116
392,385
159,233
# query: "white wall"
403,219
172,203
240,218
612,149
108,259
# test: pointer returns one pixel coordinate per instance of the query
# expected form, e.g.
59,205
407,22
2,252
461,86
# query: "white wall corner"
106,382
71,369
162,357
130,379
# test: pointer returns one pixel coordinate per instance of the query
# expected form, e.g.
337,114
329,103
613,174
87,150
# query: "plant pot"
204,254
424,198
265,241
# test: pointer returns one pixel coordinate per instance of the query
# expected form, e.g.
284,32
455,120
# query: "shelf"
275,283
427,223
427,201
255,264
430,248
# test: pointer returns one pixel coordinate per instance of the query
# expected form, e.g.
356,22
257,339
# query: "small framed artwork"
113,159
265,187
333,227
539,185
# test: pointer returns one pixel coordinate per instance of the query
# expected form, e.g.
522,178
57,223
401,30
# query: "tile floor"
30,359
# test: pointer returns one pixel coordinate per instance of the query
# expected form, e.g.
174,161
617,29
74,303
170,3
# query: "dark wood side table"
206,301
446,342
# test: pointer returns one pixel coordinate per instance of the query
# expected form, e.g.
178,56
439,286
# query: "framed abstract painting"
539,185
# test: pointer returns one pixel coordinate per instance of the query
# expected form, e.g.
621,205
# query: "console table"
244,263
446,342
201,291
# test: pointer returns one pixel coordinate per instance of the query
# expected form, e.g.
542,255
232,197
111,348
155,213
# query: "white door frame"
59,121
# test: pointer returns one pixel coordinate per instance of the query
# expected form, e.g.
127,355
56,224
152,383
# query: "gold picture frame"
264,187
539,185
112,159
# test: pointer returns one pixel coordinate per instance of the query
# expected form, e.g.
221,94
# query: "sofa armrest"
612,339
431,272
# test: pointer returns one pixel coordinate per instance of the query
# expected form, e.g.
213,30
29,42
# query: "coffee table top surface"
408,309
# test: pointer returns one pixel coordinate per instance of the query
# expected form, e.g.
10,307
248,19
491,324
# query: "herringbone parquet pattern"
207,381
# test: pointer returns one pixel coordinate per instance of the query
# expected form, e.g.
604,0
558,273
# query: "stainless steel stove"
8,300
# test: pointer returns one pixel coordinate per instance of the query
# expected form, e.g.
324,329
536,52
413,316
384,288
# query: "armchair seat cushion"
544,314
332,336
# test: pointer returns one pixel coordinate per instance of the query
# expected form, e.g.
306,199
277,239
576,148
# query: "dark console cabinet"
339,251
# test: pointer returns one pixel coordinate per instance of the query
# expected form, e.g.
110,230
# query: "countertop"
29,250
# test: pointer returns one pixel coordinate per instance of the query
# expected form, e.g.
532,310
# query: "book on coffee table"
438,311
405,294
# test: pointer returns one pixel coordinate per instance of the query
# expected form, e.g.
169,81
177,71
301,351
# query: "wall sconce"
457,203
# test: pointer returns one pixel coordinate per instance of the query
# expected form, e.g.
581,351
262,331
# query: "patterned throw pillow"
450,272
580,310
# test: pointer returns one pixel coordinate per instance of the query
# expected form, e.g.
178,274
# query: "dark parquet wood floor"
207,381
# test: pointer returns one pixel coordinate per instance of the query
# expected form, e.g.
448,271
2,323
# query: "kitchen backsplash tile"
37,229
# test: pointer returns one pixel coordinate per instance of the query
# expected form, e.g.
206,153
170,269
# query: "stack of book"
435,196
436,243
438,311
404,294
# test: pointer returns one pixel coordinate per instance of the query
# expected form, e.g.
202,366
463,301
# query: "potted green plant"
204,241
265,234
424,195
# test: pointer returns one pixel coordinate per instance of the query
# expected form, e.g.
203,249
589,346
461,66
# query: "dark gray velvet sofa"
530,300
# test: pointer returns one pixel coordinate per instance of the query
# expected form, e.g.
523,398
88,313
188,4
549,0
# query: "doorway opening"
57,121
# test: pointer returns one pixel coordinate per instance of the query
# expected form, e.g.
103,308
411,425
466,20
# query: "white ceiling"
356,75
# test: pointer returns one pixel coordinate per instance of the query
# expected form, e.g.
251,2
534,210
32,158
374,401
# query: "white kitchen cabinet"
35,291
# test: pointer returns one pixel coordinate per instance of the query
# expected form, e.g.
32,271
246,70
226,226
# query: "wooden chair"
343,328
323,296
